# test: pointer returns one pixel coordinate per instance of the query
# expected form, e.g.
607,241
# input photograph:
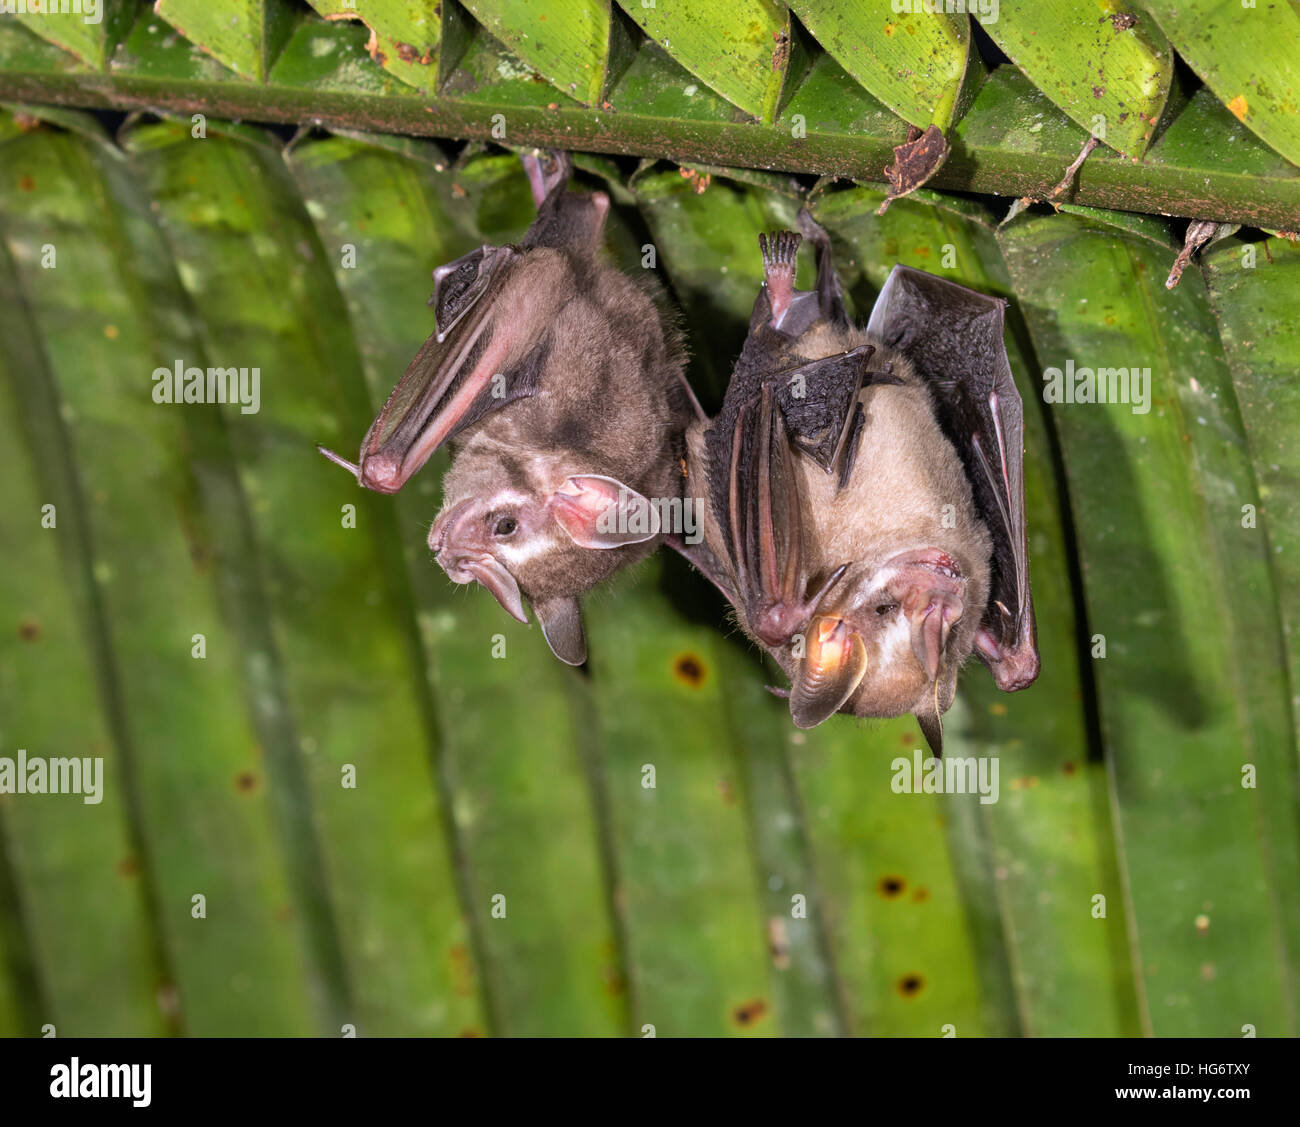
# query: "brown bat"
866,514
559,382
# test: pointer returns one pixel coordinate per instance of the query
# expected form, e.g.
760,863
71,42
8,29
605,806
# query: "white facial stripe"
896,638
517,552
882,578
509,497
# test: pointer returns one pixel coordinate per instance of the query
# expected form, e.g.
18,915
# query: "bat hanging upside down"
866,515
560,383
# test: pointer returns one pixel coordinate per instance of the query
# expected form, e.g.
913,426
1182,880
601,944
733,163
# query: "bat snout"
449,534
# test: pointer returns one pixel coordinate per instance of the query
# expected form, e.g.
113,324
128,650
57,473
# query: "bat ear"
832,669
493,575
602,512
561,622
932,729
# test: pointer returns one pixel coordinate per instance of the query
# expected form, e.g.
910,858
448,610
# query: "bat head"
891,643
545,541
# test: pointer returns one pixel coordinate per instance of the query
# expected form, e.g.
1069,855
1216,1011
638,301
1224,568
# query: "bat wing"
459,375
819,402
757,502
953,337
754,491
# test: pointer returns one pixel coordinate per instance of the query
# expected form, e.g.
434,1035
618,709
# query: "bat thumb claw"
353,469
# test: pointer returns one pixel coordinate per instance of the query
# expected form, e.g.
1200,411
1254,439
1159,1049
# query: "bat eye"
885,608
505,527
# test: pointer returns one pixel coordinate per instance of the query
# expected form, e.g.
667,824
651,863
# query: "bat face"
522,526
892,642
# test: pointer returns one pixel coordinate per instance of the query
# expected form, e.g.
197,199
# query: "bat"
558,382
866,503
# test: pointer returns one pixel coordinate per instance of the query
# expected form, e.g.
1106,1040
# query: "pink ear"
602,512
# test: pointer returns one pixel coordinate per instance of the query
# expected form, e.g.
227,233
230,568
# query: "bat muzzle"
466,561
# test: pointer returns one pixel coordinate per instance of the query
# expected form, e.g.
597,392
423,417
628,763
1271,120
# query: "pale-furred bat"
866,515
559,382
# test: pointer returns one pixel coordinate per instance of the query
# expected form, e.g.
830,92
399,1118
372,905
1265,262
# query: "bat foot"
1013,669
780,251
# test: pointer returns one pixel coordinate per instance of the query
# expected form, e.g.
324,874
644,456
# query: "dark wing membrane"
779,405
819,401
953,337
458,285
755,497
816,398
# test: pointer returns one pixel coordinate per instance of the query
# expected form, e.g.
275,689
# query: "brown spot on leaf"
1069,768
26,183
615,983
129,866
921,895
910,985
169,1000
1122,21
1238,107
245,782
891,887
28,630
689,670
750,1012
